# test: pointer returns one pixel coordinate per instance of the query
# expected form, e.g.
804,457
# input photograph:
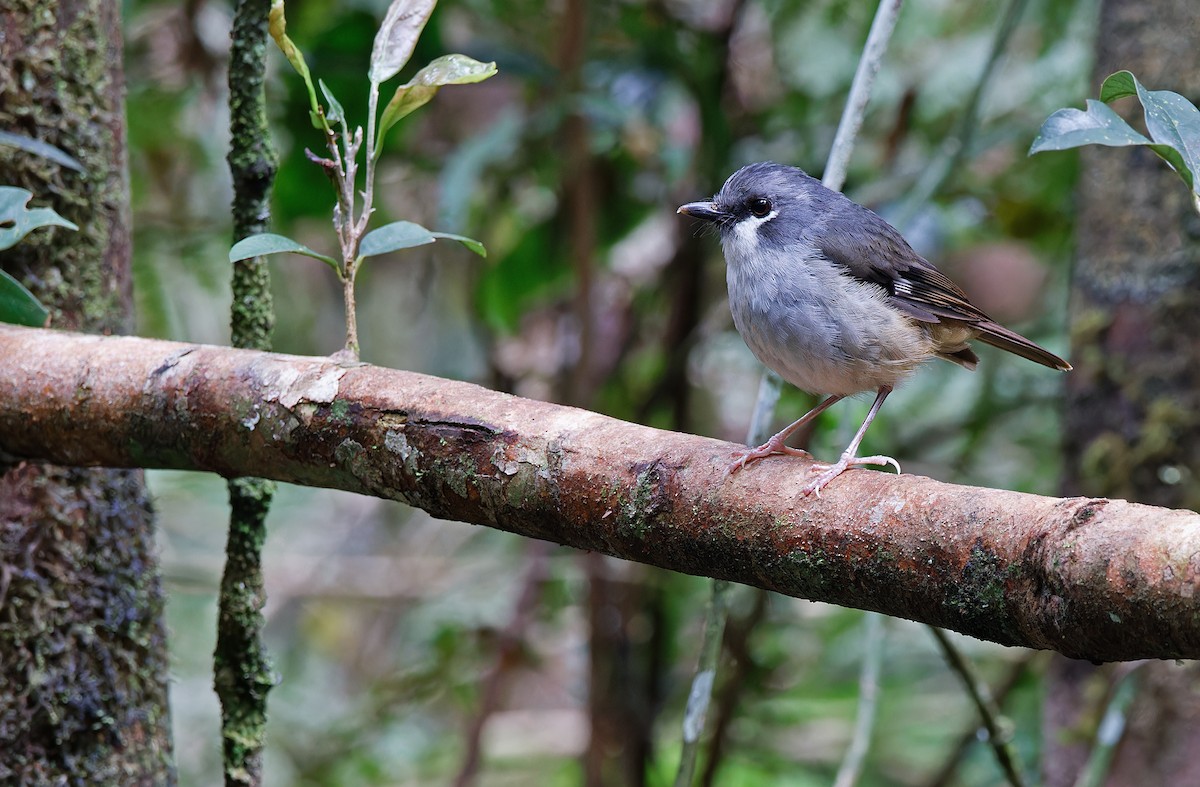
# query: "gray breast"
818,328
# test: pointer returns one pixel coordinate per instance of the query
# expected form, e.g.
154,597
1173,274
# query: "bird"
832,298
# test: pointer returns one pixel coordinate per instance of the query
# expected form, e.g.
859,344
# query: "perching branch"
1105,580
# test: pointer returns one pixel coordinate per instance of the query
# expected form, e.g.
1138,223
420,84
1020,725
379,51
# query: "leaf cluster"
393,47
1172,122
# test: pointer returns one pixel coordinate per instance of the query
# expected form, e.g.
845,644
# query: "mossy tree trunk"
83,660
242,674
1133,402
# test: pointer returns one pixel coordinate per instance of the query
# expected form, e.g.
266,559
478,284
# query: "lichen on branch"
1098,579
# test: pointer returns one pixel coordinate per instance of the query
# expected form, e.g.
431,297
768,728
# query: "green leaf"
335,114
453,70
39,148
1118,85
397,37
418,91
17,304
407,99
277,26
470,243
270,243
1172,121
1072,128
17,220
405,235
394,236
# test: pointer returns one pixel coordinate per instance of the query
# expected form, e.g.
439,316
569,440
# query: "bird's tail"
999,336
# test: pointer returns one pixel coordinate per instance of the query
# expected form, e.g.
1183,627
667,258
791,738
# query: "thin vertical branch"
745,669
947,772
242,674
579,197
369,160
995,724
702,683
868,697
613,746
860,93
252,164
1112,727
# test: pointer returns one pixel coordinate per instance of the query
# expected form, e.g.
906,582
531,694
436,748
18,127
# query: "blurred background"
414,651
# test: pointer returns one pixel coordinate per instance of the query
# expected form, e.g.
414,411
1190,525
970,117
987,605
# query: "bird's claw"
842,465
744,456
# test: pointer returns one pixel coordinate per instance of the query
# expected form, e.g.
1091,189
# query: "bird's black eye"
759,206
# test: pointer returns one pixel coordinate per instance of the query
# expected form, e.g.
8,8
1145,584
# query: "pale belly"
823,331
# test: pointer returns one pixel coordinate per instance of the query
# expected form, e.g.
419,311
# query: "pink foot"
743,457
842,465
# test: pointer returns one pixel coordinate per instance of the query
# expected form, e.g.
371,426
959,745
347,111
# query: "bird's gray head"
765,206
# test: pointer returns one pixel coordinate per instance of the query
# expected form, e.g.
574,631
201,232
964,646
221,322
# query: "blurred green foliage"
384,625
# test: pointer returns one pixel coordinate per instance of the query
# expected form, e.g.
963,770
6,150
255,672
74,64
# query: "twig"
996,725
946,774
860,92
737,636
868,695
702,682
1112,727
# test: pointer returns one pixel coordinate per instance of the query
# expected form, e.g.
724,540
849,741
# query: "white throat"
745,233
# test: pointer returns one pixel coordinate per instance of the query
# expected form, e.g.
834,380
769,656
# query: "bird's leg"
776,444
849,456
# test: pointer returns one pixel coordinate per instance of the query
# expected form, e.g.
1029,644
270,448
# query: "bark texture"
1133,402
83,662
1091,578
242,674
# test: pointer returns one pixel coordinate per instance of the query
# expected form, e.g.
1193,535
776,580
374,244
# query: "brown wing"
872,250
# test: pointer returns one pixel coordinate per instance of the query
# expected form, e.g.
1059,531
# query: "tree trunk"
1133,403
83,660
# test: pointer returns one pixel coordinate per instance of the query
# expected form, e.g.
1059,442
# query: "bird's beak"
707,211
